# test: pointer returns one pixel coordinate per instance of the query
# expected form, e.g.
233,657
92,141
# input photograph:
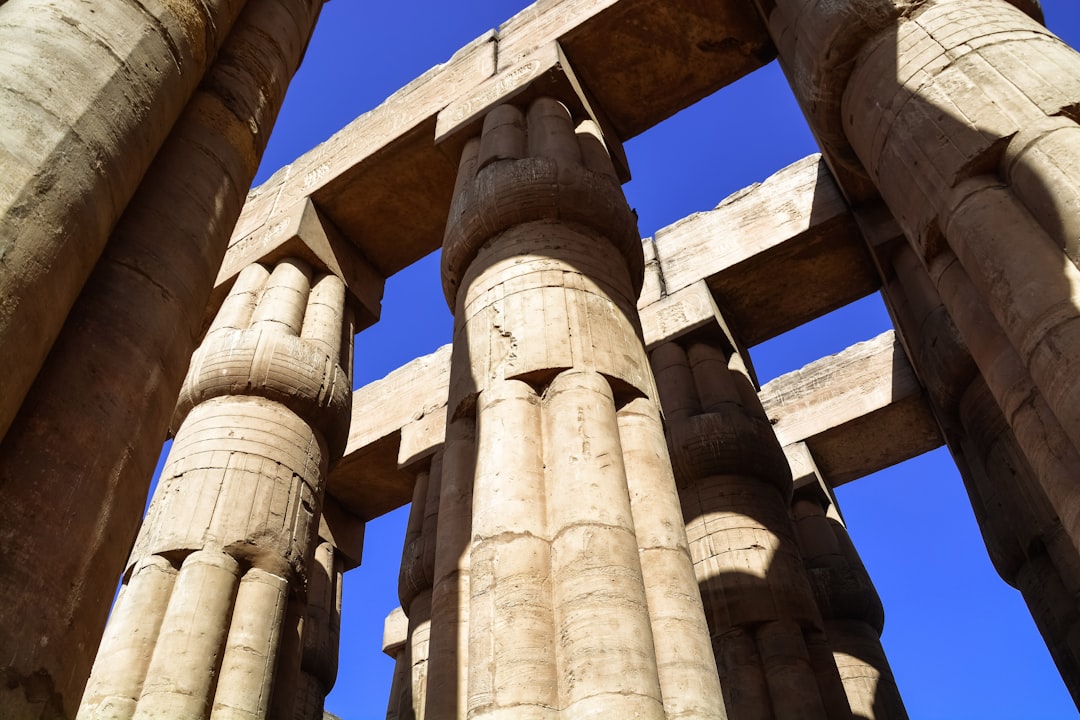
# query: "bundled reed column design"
557,497
1015,474
735,485
231,533
961,114
415,581
848,601
83,446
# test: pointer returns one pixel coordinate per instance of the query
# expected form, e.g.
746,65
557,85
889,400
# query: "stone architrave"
960,114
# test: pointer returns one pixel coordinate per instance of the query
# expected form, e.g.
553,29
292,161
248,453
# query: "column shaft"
542,263
263,411
89,94
121,357
1014,472
734,481
959,113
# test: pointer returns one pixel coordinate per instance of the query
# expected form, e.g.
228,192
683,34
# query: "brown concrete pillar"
121,357
735,487
264,410
581,597
88,95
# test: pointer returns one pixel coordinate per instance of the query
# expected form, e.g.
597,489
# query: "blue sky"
960,641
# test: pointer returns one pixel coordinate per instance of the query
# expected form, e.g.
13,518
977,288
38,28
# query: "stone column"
846,596
395,638
233,527
958,113
415,583
735,486
1016,479
88,93
121,357
580,599
320,637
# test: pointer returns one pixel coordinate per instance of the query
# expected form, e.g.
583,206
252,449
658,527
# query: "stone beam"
797,221
858,411
791,232
383,183
397,421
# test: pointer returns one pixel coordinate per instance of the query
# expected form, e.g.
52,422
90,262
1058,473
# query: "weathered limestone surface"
951,111
123,351
408,698
961,114
382,170
89,94
810,238
845,594
579,596
1018,474
858,411
734,486
262,414
547,572
796,220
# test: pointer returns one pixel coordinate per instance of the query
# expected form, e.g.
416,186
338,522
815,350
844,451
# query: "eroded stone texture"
846,596
415,582
89,95
580,598
734,484
1018,474
263,412
960,114
123,351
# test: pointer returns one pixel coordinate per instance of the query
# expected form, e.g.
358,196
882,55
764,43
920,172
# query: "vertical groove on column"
684,657
128,646
243,688
187,657
511,625
734,481
262,415
606,655
542,265
447,686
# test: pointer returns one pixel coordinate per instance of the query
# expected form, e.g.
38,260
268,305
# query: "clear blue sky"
961,642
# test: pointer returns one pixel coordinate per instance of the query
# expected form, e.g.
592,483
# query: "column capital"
306,233
545,72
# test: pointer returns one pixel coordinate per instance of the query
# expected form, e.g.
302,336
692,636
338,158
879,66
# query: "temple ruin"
610,516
